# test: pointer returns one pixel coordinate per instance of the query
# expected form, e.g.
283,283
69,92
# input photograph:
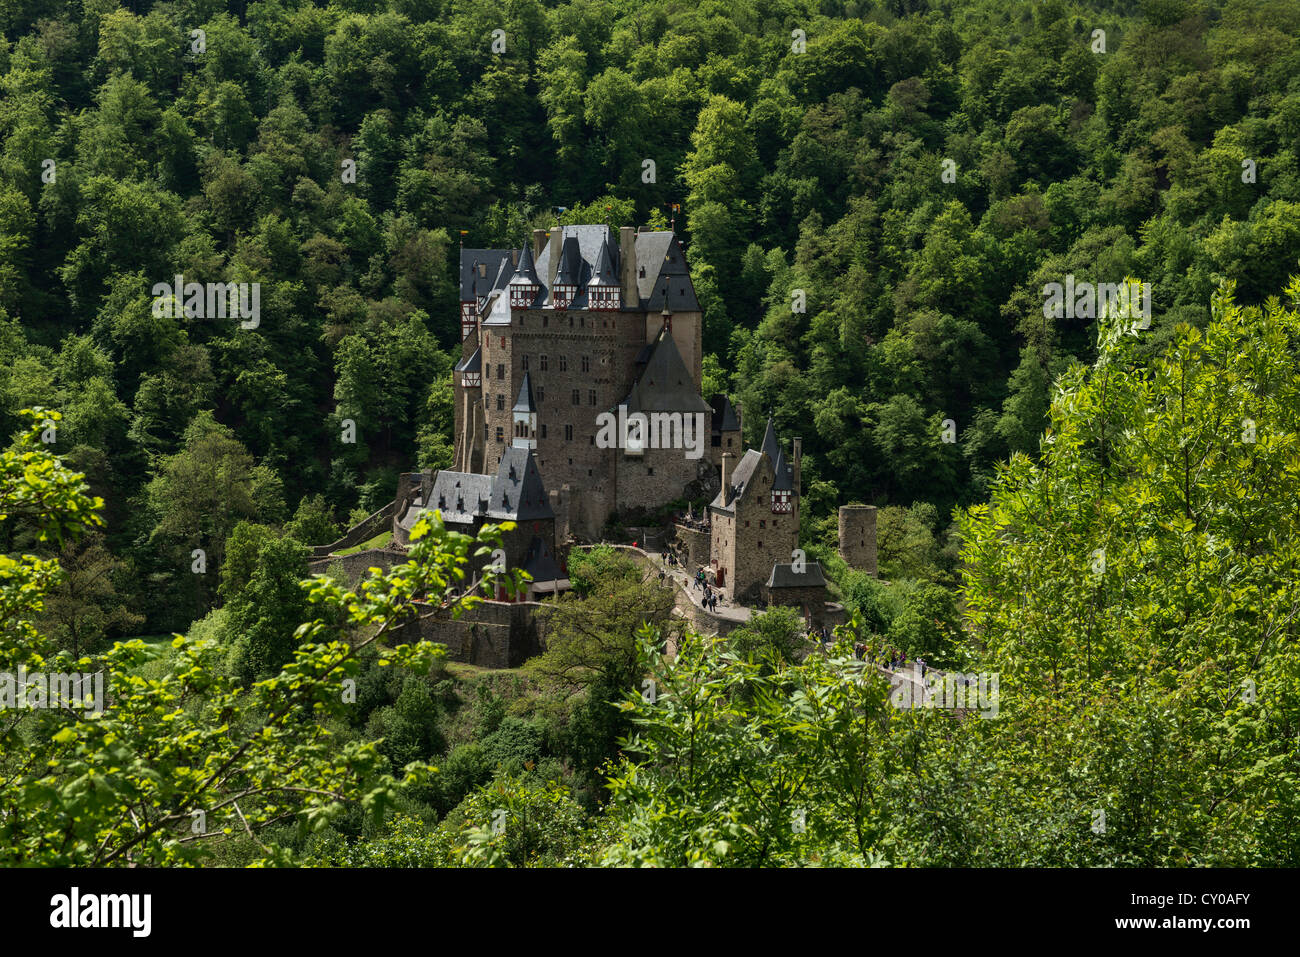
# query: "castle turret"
603,288
524,414
858,537
525,287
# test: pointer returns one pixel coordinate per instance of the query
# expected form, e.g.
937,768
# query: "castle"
578,399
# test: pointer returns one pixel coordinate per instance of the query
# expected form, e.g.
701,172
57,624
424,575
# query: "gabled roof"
517,489
476,261
737,482
589,240
664,384
525,401
461,496
516,493
784,576
667,281
724,414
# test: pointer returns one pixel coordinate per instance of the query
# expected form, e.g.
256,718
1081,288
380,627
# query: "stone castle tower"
580,323
858,537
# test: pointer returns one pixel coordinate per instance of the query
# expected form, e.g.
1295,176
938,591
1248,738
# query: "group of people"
710,599
887,657
700,582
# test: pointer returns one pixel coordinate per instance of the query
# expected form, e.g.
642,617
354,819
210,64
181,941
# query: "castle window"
500,434
588,473
546,321
523,363
501,370
650,470
760,543
543,431
503,342
541,393
591,440
501,402
762,524
541,365
591,396
568,436
564,363
577,397
586,363
643,272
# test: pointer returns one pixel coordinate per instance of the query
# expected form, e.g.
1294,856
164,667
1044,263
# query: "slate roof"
724,414
572,267
472,284
516,493
667,281
604,273
664,384
784,576
473,363
525,402
591,253
737,481
525,273
461,496
782,470
589,239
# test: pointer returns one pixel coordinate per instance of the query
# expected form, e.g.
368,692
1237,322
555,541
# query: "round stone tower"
858,537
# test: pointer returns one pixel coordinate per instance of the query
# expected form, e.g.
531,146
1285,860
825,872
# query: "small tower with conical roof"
525,287
525,417
604,291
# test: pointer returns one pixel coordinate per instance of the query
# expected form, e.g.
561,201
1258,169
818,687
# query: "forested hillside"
129,157
873,197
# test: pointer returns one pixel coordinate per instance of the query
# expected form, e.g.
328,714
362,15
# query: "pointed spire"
570,263
525,272
783,474
770,444
604,274
525,402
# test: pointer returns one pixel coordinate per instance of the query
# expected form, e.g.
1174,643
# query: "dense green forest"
911,173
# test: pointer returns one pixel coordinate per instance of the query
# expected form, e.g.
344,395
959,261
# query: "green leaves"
180,761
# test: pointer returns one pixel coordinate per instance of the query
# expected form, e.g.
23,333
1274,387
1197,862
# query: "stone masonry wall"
858,537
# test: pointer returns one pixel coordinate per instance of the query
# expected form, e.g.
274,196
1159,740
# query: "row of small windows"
568,435
577,397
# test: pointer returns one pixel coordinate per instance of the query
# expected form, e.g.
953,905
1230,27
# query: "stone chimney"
553,267
627,266
798,488
728,465
539,238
